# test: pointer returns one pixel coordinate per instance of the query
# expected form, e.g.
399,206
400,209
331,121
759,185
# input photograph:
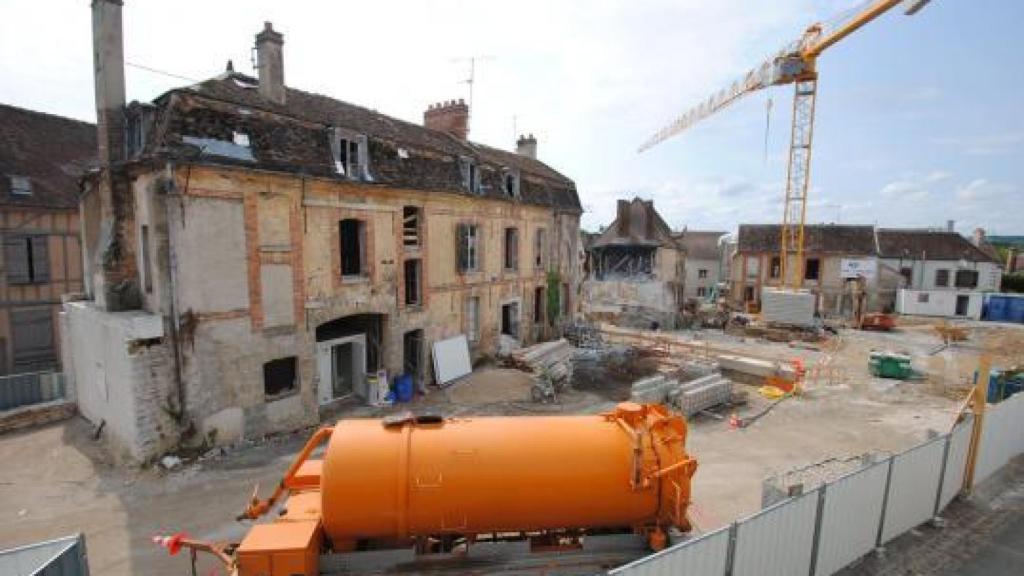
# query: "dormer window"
510,183
21,185
471,176
350,154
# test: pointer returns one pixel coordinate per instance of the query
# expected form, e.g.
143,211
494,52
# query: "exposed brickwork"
252,246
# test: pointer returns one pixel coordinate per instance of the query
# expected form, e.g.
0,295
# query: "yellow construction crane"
795,64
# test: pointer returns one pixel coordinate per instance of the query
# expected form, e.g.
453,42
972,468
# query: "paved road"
1003,556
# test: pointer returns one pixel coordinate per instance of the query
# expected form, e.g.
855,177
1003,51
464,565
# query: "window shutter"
464,167
461,248
16,259
40,259
364,157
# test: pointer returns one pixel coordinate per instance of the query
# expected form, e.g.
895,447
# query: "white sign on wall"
858,268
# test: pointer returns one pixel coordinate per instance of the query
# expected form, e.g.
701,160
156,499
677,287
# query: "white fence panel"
778,540
956,461
913,487
706,555
850,517
1001,436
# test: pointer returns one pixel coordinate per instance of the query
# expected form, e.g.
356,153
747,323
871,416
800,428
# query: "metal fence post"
885,502
730,554
817,528
942,473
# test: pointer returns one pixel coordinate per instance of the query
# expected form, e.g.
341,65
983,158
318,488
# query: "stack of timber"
675,346
550,359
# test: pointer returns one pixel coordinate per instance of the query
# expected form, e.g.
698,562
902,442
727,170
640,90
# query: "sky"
919,119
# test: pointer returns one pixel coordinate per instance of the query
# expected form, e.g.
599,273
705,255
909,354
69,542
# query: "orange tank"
627,468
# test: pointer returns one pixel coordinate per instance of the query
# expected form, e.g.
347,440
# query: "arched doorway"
349,354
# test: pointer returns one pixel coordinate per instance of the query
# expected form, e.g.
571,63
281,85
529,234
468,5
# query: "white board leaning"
451,359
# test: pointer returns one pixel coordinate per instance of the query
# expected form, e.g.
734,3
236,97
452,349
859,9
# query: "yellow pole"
978,400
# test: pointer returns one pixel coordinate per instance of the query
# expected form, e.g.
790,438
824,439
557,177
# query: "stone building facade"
259,253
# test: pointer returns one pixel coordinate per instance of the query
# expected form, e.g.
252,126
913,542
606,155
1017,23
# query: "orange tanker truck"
433,484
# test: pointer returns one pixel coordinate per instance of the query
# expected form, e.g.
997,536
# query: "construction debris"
582,335
550,361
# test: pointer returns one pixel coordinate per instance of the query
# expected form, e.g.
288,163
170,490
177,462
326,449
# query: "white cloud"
981,189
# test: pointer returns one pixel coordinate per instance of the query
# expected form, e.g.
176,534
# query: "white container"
788,307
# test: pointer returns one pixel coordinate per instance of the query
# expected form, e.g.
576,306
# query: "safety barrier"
61,557
823,531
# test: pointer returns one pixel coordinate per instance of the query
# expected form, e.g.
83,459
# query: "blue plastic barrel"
403,388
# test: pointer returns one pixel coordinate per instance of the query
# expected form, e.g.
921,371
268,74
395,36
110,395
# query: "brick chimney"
108,70
451,117
527,146
979,236
270,63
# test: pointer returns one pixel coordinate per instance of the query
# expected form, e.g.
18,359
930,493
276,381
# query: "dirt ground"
56,480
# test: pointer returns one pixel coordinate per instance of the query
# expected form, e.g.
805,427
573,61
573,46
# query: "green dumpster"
890,365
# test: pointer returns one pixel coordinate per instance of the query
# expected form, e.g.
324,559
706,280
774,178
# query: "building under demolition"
636,269
254,252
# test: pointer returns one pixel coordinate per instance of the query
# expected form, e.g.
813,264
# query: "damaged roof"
818,238
929,245
42,156
636,223
295,137
701,244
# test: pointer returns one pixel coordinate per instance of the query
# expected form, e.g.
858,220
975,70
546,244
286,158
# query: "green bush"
1013,282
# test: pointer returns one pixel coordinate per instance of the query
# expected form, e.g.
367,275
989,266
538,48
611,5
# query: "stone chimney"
270,63
451,117
527,146
108,68
622,217
979,236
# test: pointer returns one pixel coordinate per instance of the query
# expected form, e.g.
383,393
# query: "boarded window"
473,319
412,282
32,340
147,270
510,319
539,248
468,247
966,278
280,377
942,277
352,240
410,227
538,305
811,269
511,248
27,259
